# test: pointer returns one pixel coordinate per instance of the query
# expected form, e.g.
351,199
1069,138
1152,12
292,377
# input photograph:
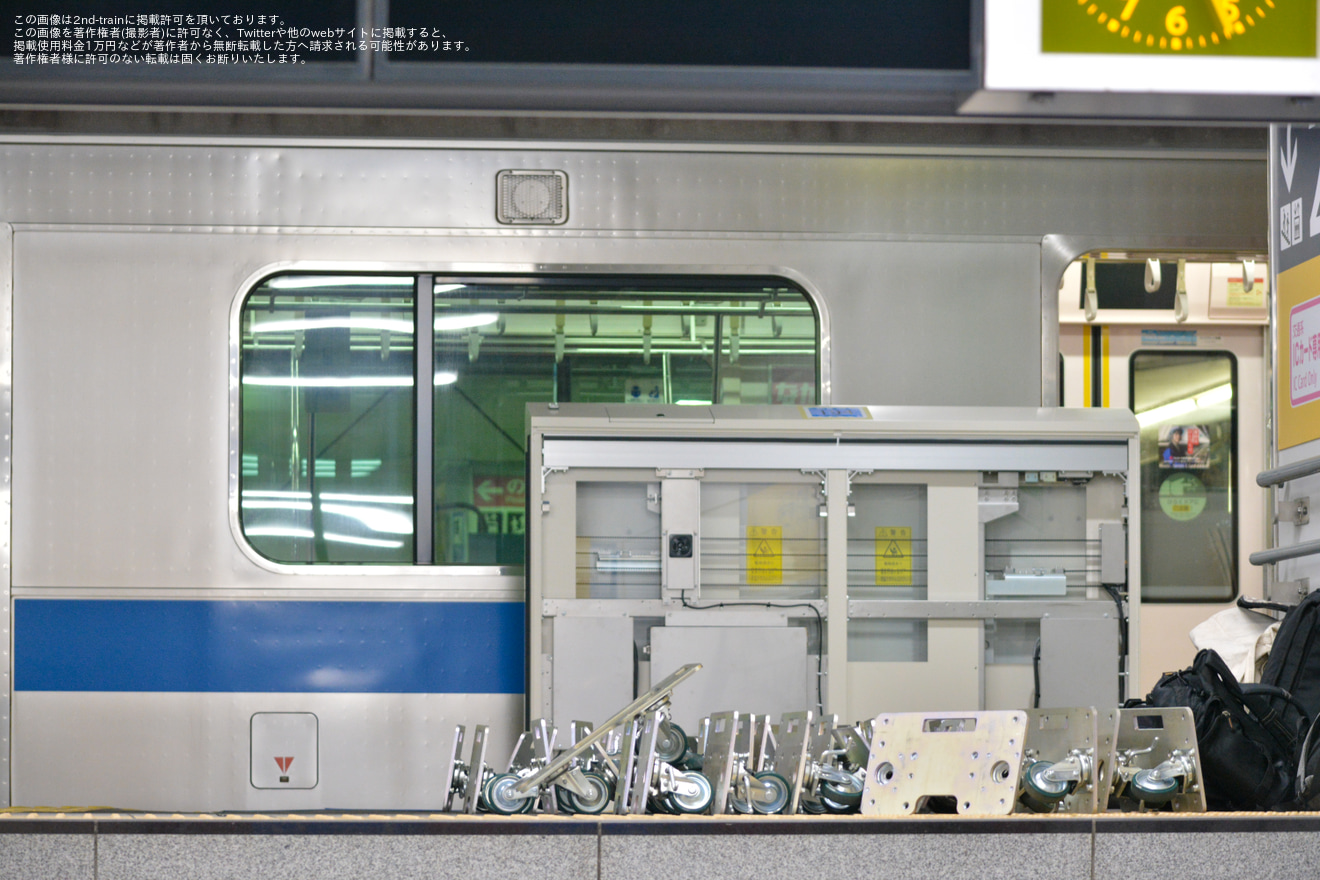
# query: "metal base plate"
476,769
791,754
717,766
1153,734
1052,734
974,757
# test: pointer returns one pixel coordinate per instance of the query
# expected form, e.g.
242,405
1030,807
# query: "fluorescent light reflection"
261,494
306,282
692,402
447,288
363,542
306,534
1220,394
277,532
444,377
465,322
275,504
374,518
394,325
330,381
368,499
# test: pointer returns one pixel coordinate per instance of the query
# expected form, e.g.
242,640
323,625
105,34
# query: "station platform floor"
329,846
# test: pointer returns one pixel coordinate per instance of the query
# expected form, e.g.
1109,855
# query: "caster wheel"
778,800
834,807
594,803
1041,794
812,806
660,805
562,800
1152,789
693,803
497,795
671,743
738,805
845,795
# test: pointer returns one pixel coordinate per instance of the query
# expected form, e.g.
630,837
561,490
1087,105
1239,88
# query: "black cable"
1116,594
1035,672
317,453
820,632
494,424
353,424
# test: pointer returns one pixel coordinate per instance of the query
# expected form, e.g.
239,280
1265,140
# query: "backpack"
1294,666
1294,661
1248,736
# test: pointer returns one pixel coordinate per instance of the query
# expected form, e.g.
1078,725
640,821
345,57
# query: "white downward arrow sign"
1288,158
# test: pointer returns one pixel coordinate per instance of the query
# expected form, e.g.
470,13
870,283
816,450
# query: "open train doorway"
1181,340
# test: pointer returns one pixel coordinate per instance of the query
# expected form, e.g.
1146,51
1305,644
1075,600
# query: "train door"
1198,389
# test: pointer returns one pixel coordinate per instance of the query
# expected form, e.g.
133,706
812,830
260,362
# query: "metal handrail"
1281,475
1279,554
646,702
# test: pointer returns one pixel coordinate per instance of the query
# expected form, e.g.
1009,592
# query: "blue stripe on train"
265,647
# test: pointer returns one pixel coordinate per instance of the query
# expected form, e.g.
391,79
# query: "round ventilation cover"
539,197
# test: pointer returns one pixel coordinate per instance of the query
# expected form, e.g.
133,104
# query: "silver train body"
934,275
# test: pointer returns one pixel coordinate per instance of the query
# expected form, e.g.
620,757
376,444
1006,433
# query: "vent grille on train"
532,197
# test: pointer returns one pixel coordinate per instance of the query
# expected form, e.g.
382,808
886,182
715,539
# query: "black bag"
1294,661
1294,665
1248,735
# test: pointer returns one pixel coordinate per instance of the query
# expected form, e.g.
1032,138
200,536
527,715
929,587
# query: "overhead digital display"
856,34
1168,47
1262,28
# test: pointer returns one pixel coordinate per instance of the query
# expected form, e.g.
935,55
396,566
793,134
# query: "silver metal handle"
1279,554
1281,475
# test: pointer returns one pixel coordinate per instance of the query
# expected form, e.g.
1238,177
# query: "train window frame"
1197,594
716,283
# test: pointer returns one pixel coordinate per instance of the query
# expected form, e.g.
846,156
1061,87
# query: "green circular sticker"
1182,496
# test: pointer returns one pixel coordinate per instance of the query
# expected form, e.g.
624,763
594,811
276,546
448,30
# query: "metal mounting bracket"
547,470
1294,510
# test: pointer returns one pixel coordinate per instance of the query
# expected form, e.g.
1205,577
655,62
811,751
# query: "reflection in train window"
329,403
501,344
327,413
1186,404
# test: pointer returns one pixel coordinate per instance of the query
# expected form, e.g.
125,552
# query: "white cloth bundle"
1243,638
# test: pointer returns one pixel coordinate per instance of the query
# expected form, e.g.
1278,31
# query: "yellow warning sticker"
893,556
1240,299
765,554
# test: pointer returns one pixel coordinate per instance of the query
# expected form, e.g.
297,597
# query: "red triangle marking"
284,764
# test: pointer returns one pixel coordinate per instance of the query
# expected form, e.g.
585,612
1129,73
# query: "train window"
500,344
327,413
1122,285
327,366
1185,402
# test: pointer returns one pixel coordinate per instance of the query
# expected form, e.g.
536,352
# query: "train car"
1181,340
264,425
